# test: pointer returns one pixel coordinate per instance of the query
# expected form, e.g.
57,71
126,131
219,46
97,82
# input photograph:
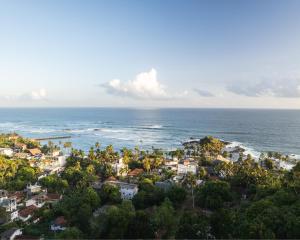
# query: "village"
128,171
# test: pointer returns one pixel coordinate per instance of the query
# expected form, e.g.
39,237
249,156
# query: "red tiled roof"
53,196
34,151
135,172
111,178
28,211
60,221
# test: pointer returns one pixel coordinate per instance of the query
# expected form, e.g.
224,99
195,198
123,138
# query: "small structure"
21,146
26,213
6,152
59,224
118,167
35,152
187,167
53,197
135,172
127,190
11,234
32,189
37,200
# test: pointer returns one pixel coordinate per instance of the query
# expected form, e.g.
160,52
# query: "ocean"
256,130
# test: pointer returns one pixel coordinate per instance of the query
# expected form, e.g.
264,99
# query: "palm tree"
191,181
147,164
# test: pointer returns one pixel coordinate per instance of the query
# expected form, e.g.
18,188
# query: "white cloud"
40,94
283,88
35,95
144,86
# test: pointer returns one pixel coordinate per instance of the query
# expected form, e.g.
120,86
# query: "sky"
150,54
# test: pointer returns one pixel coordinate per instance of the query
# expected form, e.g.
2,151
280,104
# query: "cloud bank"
283,88
35,95
144,86
204,93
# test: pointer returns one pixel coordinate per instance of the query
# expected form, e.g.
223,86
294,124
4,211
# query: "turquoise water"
258,130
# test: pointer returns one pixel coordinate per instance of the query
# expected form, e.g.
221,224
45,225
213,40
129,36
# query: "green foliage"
164,220
193,226
213,194
110,194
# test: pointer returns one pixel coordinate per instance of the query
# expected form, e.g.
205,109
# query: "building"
26,213
135,172
118,167
59,224
9,204
127,190
187,167
11,234
32,189
21,146
37,200
7,152
35,152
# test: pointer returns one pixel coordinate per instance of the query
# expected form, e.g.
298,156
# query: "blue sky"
142,53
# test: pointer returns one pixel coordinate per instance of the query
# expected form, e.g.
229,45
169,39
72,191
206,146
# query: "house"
11,234
7,152
26,213
118,167
37,200
187,167
35,152
32,189
53,197
19,195
135,172
21,146
9,203
127,190
59,224
21,155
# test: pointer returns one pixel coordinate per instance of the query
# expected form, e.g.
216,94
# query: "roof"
27,211
34,151
18,144
60,221
21,155
8,233
135,172
53,196
111,178
122,184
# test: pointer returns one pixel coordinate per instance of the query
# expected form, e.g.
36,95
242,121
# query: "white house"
7,152
186,168
127,190
59,224
118,166
37,200
31,189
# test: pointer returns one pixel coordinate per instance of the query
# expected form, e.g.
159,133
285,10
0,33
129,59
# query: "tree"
191,180
70,233
212,146
193,226
177,195
110,193
213,194
164,221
